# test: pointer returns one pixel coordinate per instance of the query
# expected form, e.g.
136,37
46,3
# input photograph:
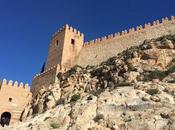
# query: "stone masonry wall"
71,50
44,79
93,52
55,49
61,49
103,48
14,98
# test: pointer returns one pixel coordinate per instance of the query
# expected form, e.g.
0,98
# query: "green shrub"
60,101
157,74
75,97
29,125
131,67
47,118
54,125
152,91
171,70
98,117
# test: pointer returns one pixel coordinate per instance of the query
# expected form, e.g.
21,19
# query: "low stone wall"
44,79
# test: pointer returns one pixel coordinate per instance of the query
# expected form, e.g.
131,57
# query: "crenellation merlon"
138,28
157,22
165,20
130,30
172,17
15,84
75,30
147,25
117,34
103,38
59,31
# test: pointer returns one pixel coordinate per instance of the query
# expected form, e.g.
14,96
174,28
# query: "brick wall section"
20,95
101,49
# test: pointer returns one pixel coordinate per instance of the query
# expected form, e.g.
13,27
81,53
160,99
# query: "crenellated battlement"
130,31
58,67
59,31
49,76
74,30
46,71
15,84
69,28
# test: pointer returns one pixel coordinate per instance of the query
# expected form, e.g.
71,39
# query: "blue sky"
26,26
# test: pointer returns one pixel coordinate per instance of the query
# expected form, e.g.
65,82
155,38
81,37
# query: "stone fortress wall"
44,79
63,54
14,98
67,49
99,50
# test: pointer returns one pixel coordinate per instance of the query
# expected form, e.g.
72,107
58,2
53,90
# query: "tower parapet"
14,85
67,27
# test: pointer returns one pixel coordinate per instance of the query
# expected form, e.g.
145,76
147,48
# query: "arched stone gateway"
5,118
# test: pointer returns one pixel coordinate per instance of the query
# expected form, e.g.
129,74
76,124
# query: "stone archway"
5,118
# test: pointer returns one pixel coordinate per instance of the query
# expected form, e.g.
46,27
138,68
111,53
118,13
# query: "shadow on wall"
5,119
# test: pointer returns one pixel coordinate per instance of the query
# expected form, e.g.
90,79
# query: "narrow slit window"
57,42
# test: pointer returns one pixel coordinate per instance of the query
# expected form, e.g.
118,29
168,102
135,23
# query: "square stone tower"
64,48
63,51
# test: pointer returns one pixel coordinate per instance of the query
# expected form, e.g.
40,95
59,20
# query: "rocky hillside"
133,91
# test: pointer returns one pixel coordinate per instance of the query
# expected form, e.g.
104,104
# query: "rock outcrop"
133,91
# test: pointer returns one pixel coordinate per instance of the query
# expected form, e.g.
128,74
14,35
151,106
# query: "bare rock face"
147,106
133,91
45,100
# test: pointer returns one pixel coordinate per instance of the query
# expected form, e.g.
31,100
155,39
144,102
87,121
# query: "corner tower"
64,47
63,52
14,97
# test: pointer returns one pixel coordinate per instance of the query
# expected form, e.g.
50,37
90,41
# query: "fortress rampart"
14,97
45,79
96,51
67,48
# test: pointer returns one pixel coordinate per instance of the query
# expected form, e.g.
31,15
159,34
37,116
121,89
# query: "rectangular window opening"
57,42
72,41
